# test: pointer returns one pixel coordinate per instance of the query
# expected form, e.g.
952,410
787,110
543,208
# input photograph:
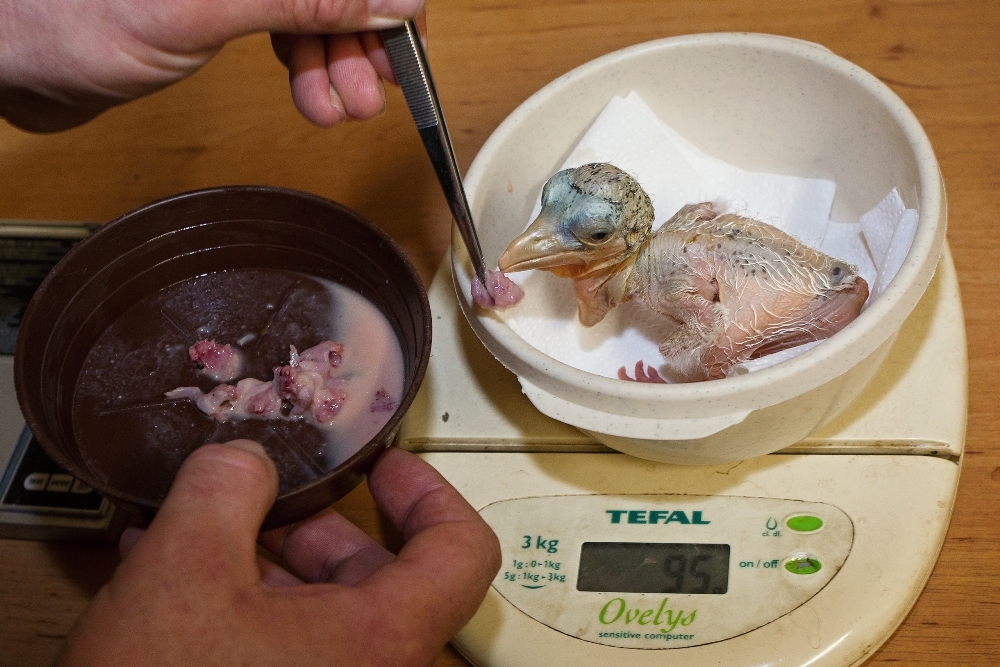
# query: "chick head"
593,218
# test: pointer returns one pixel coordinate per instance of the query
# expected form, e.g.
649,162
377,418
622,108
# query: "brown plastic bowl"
179,238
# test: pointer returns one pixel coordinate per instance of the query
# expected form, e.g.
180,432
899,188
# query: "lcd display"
656,567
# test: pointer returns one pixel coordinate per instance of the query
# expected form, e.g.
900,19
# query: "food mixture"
216,357
309,386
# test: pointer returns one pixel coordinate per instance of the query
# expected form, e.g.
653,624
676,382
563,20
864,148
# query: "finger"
414,496
450,554
327,548
128,538
312,93
281,44
420,20
353,77
214,23
371,42
374,48
274,575
209,521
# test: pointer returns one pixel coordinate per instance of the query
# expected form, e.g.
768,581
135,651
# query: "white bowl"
761,102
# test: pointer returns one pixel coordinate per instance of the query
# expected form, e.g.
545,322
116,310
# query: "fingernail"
381,87
336,102
128,538
384,22
248,446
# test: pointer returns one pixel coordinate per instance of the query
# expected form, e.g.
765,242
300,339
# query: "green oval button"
805,523
803,565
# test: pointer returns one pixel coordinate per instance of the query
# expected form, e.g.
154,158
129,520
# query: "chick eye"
591,220
593,232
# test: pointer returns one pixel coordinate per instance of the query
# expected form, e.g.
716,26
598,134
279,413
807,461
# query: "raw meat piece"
382,402
219,362
217,403
309,384
500,291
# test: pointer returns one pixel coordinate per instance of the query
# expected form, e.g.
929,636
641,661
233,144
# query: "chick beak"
545,244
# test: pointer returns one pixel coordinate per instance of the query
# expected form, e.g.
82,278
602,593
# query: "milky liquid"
130,433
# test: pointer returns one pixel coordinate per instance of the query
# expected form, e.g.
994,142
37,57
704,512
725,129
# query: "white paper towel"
674,173
888,229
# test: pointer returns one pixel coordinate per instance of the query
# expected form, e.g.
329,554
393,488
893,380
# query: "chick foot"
648,375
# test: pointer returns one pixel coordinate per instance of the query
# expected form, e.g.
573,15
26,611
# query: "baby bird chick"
736,288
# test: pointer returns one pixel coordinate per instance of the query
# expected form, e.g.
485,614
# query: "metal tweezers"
409,63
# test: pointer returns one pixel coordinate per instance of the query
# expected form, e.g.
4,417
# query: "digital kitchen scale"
38,499
809,556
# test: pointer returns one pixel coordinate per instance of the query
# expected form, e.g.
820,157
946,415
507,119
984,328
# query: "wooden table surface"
233,123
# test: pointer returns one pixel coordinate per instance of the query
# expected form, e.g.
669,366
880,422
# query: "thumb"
214,509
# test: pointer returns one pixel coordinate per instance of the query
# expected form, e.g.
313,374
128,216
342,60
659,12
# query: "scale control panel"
664,571
34,482
40,500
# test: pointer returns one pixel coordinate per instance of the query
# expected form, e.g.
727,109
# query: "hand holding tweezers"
409,63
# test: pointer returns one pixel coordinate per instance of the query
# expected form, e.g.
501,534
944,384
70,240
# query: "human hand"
62,62
191,589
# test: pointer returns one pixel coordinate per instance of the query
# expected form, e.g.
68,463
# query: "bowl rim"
767,386
363,458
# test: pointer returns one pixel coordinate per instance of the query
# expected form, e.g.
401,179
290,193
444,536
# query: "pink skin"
309,383
499,293
200,586
648,375
219,362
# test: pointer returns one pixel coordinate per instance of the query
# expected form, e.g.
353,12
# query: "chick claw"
649,375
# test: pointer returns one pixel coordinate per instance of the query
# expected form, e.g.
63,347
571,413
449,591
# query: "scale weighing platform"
809,556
